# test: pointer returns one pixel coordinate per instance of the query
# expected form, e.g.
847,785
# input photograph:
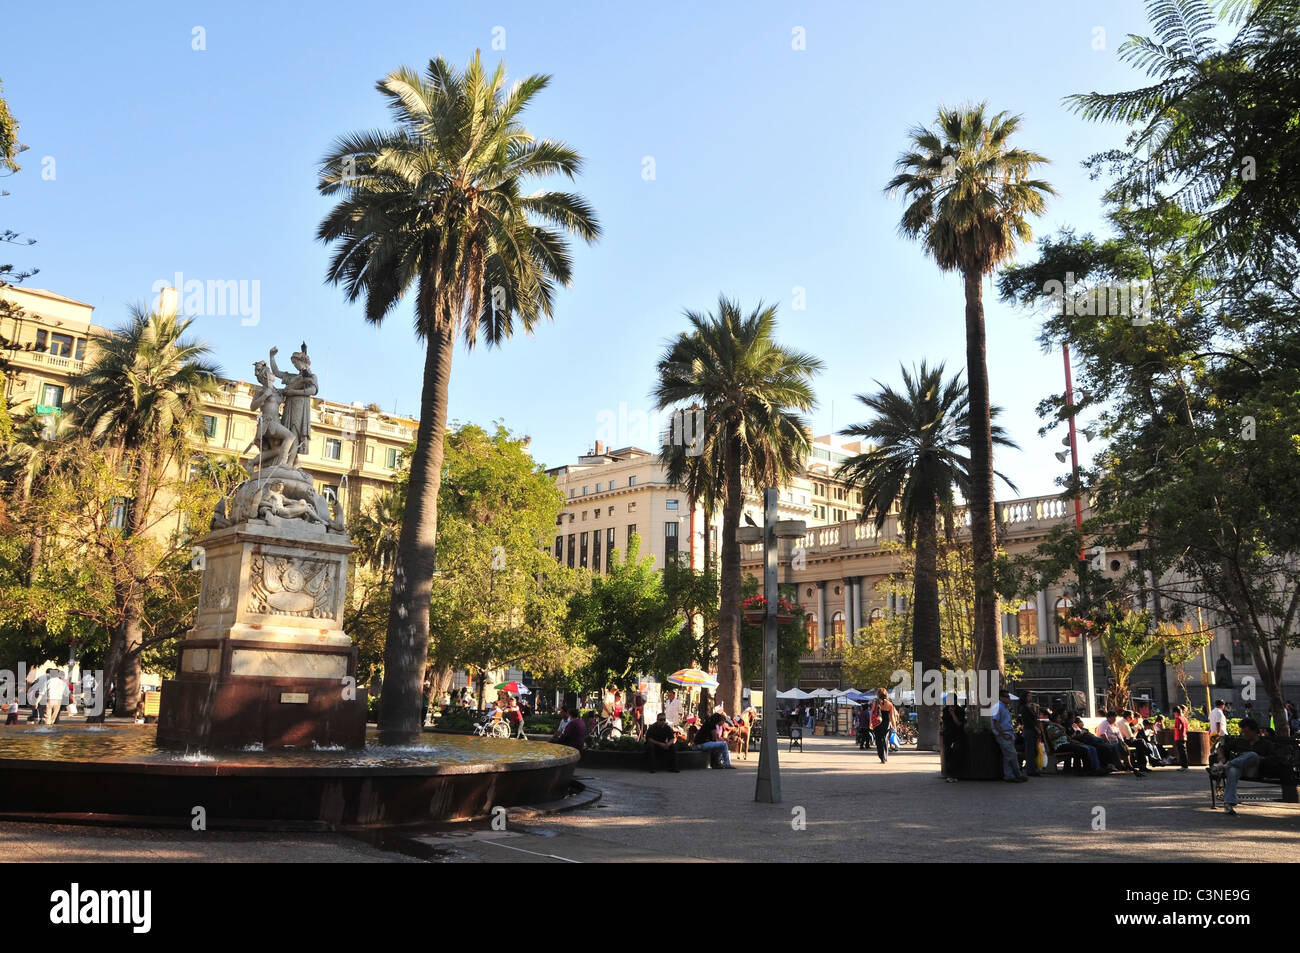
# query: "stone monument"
267,661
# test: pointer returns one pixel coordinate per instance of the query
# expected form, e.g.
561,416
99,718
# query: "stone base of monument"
236,711
267,662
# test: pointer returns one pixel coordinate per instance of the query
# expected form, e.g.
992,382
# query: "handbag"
875,718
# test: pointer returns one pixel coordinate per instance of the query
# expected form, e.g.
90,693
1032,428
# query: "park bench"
1274,772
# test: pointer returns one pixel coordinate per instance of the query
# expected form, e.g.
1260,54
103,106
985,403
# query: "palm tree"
438,205
41,443
968,193
141,397
751,390
915,462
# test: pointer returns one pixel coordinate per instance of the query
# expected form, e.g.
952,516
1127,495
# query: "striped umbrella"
514,688
693,677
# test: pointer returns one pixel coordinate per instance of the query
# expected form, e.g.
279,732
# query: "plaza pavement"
857,809
852,807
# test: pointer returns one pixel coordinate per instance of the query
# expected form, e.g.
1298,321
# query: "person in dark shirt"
660,741
575,732
1242,756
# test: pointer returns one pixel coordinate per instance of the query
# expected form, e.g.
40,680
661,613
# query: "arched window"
1027,623
837,629
877,615
1063,606
810,630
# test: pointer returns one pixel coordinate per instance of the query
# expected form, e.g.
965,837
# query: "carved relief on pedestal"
292,586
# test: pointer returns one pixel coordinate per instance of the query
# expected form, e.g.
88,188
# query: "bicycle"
906,734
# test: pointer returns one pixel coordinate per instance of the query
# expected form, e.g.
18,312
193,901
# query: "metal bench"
796,737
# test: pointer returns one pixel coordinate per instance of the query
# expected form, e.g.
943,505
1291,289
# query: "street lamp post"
1078,523
768,786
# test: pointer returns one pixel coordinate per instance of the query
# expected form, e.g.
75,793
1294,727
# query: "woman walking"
884,718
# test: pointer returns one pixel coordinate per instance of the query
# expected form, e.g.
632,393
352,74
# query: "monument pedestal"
267,661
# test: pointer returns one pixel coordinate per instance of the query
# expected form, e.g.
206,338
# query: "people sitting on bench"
1080,757
1245,755
660,744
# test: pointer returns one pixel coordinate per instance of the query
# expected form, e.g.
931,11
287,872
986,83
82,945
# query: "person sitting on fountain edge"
660,741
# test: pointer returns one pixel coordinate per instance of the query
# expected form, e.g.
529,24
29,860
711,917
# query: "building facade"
354,451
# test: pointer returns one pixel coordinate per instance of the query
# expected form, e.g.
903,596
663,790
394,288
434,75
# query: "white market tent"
794,694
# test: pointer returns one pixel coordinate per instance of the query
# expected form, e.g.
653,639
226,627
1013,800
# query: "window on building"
60,345
370,454
595,549
42,339
393,458
670,538
333,449
582,557
1062,607
80,353
609,540
117,512
210,426
810,630
631,481
573,549
572,492
52,396
559,520
611,511
572,517
585,490
1027,623
1240,650
670,504
595,514
631,507
559,549
837,629
877,615
631,531
330,492
611,484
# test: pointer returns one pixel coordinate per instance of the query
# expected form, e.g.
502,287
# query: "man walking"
1218,720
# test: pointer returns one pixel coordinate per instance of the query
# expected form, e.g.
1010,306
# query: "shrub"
458,719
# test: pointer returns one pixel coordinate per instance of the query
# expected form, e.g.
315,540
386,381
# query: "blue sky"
769,164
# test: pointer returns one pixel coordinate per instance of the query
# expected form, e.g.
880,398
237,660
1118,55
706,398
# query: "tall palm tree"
141,397
968,194
915,463
751,390
438,205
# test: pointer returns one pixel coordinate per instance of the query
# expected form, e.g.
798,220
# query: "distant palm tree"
968,193
438,205
751,391
915,463
41,443
141,397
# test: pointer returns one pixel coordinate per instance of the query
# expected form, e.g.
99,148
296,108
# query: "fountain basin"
119,772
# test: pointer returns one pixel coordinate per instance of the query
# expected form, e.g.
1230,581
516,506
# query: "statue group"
278,491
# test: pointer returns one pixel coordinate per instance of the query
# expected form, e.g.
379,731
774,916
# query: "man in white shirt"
1218,720
673,709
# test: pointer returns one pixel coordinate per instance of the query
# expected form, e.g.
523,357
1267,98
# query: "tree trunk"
129,634
406,648
729,585
988,635
925,624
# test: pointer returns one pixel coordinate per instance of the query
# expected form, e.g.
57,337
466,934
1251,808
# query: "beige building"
611,494
354,449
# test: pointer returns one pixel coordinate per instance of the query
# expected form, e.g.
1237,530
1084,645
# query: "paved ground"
855,808
840,804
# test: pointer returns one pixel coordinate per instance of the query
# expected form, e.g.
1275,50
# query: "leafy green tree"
969,194
141,397
626,619
913,466
751,392
439,205
1198,402
1216,126
499,598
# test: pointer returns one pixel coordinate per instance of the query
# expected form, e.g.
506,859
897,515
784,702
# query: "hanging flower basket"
754,610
